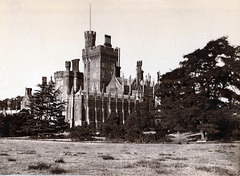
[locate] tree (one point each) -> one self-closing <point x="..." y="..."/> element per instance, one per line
<point x="202" y="93"/>
<point x="11" y="125"/>
<point x="46" y="110"/>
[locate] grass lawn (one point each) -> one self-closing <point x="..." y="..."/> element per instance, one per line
<point x="31" y="157"/>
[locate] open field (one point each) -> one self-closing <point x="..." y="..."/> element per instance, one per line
<point x="72" y="158"/>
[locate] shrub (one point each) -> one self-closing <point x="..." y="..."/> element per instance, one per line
<point x="81" y="133"/>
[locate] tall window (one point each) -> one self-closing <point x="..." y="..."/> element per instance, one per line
<point x="88" y="66"/>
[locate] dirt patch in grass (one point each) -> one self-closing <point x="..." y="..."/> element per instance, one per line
<point x="4" y="154"/>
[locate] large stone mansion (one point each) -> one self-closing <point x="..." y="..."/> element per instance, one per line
<point x="95" y="94"/>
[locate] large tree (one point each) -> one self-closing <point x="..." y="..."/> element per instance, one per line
<point x="46" y="111"/>
<point x="203" y="93"/>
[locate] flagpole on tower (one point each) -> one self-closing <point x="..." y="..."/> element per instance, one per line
<point x="90" y="16"/>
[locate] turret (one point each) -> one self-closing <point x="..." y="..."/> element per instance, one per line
<point x="139" y="71"/>
<point x="90" y="38"/>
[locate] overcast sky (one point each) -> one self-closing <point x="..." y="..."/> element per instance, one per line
<point x="38" y="36"/>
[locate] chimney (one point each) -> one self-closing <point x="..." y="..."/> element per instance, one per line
<point x="107" y="41"/>
<point x="68" y="65"/>
<point x="75" y="65"/>
<point x="28" y="92"/>
<point x="139" y="71"/>
<point x="44" y="80"/>
<point x="117" y="71"/>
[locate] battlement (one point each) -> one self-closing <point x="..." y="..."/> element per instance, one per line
<point x="87" y="33"/>
<point x="139" y="63"/>
<point x="99" y="48"/>
<point x="68" y="74"/>
<point x="58" y="74"/>
<point x="90" y="38"/>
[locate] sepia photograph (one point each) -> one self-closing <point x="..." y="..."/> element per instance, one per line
<point x="120" y="87"/>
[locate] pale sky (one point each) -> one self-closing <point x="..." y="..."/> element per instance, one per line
<point x="38" y="36"/>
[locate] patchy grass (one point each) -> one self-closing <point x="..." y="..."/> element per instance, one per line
<point x="40" y="166"/>
<point x="107" y="157"/>
<point x="81" y="153"/>
<point x="216" y="170"/>
<point x="60" y="161"/>
<point x="177" y="159"/>
<point x="129" y="166"/>
<point x="164" y="154"/>
<point x="203" y="168"/>
<point x="163" y="172"/>
<point x="117" y="158"/>
<point x="58" y="170"/>
<point x="12" y="159"/>
<point x="150" y="163"/>
<point x="28" y="152"/>
<point x="180" y="165"/>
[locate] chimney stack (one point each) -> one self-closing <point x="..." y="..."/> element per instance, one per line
<point x="44" y="80"/>
<point x="108" y="41"/>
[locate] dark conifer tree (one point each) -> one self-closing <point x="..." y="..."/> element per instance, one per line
<point x="46" y="111"/>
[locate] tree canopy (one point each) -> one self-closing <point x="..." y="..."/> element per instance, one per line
<point x="46" y="111"/>
<point x="203" y="93"/>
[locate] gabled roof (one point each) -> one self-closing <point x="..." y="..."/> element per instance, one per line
<point x="136" y="85"/>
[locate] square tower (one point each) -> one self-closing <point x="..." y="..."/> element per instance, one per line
<point x="100" y="62"/>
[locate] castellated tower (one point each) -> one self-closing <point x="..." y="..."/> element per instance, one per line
<point x="100" y="62"/>
<point x="69" y="79"/>
<point x="90" y="38"/>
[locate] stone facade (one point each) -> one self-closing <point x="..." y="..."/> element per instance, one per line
<point x="94" y="95"/>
